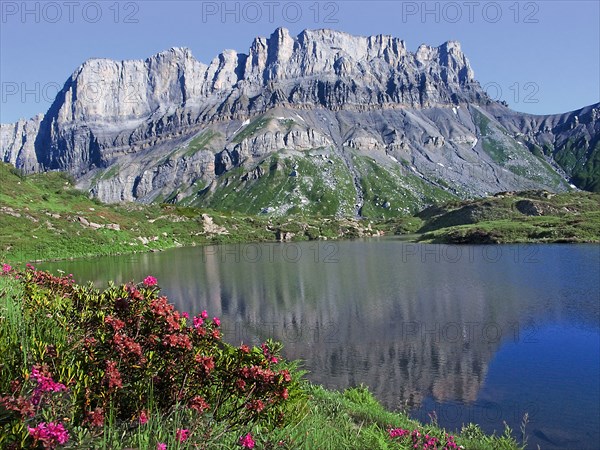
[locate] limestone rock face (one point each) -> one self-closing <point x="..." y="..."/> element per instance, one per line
<point x="168" y="126"/>
<point x="17" y="142"/>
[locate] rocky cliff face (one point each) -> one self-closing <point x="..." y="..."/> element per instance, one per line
<point x="173" y="129"/>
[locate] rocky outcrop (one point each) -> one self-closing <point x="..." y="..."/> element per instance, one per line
<point x="17" y="143"/>
<point x="572" y="140"/>
<point x="107" y="108"/>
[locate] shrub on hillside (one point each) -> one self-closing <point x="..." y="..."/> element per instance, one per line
<point x="88" y="356"/>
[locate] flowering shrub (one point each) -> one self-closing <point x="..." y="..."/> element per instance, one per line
<point x="182" y="434"/>
<point x="247" y="441"/>
<point x="49" y="434"/>
<point x="150" y="281"/>
<point x="127" y="347"/>
<point x="418" y="440"/>
<point x="38" y="396"/>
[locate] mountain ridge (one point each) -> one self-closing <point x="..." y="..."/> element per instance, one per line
<point x="297" y="99"/>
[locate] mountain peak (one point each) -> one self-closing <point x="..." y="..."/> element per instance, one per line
<point x="322" y="89"/>
<point x="178" y="52"/>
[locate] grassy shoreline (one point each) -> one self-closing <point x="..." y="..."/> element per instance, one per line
<point x="515" y="217"/>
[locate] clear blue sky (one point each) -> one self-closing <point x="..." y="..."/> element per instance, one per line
<point x="540" y="56"/>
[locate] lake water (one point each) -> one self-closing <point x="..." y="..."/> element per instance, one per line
<point x="479" y="334"/>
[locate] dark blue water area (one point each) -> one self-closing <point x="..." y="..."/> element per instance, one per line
<point x="552" y="374"/>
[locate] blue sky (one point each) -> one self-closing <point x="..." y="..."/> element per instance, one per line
<point x="541" y="57"/>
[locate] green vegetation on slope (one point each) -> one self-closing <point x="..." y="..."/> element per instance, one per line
<point x="287" y="182"/>
<point x="570" y="156"/>
<point x="490" y="145"/>
<point x="44" y="217"/>
<point x="251" y="129"/>
<point x="535" y="216"/>
<point x="514" y="155"/>
<point x="200" y="142"/>
<point x="389" y="193"/>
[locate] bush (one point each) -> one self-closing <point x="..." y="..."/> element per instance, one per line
<point x="121" y="355"/>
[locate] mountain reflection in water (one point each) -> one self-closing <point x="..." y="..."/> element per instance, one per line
<point x="419" y="324"/>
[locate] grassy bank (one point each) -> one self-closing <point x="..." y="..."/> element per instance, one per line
<point x="43" y="217"/>
<point x="121" y="368"/>
<point x="529" y="217"/>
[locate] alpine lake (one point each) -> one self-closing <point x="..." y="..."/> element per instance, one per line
<point x="457" y="334"/>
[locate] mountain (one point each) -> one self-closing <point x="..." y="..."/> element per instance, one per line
<point x="324" y="122"/>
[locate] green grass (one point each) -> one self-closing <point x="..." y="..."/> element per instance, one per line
<point x="39" y="220"/>
<point x="406" y="194"/>
<point x="567" y="217"/>
<point x="251" y="129"/>
<point x="39" y="214"/>
<point x="586" y="175"/>
<point x="523" y="159"/>
<point x="110" y="173"/>
<point x="481" y="122"/>
<point x="355" y="419"/>
<point x="287" y="123"/>
<point x="200" y="142"/>
<point x="12" y="329"/>
<point x="495" y="149"/>
<point x="291" y="184"/>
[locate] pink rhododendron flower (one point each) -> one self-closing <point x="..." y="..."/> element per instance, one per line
<point x="185" y="315"/>
<point x="46" y="383"/>
<point x="247" y="441"/>
<point x="143" y="418"/>
<point x="96" y="417"/>
<point x="182" y="434"/>
<point x="161" y="446"/>
<point x="217" y="321"/>
<point x="6" y="268"/>
<point x="204" y="314"/>
<point x="398" y="432"/>
<point x="198" y="322"/>
<point x="150" y="281"/>
<point x="113" y="375"/>
<point x="50" y="434"/>
<point x="199" y="404"/>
